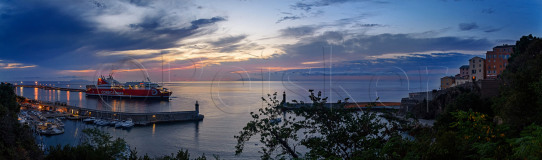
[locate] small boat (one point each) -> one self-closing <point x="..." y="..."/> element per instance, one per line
<point x="50" y="130"/>
<point x="98" y="121"/>
<point x="73" y="117"/>
<point x="89" y="120"/>
<point x="59" y="122"/>
<point x="128" y="124"/>
<point x="22" y="120"/>
<point x="113" y="122"/>
<point x="101" y="122"/>
<point x="119" y="124"/>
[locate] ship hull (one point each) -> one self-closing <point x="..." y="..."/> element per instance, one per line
<point x="128" y="93"/>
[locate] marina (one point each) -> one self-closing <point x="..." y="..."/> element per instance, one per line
<point x="58" y="109"/>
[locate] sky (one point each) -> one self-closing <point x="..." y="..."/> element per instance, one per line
<point x="253" y="40"/>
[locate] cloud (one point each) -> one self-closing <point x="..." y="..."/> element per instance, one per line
<point x="420" y="70"/>
<point x="489" y="30"/>
<point x="369" y="25"/>
<point x="307" y="8"/>
<point x="349" y="46"/>
<point x="15" y="66"/>
<point x="34" y="31"/>
<point x="467" y="26"/>
<point x="298" y="31"/>
<point x="79" y="71"/>
<point x="309" y="5"/>
<point x="288" y="18"/>
<point x="488" y="11"/>
<point x="228" y="40"/>
<point x="7" y="65"/>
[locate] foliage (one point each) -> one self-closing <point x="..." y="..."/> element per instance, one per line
<point x="17" y="141"/>
<point x="181" y="155"/>
<point x="464" y="102"/>
<point x="328" y="132"/>
<point x="529" y="145"/>
<point x="520" y="101"/>
<point x="273" y="135"/>
<point x="100" y="145"/>
<point x="97" y="145"/>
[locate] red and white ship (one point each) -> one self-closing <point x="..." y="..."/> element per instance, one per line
<point x="111" y="87"/>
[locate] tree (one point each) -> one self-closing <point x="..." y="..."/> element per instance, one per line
<point x="328" y="131"/>
<point x="529" y="145"/>
<point x="520" y="101"/>
<point x="97" y="145"/>
<point x="17" y="141"/>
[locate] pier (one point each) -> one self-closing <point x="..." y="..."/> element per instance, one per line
<point x="72" y="112"/>
<point x="51" y="88"/>
<point x="350" y="105"/>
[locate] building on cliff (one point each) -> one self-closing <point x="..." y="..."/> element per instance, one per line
<point x="447" y="82"/>
<point x="497" y="60"/>
<point x="477" y="68"/>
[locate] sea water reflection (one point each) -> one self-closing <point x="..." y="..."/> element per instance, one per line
<point x="226" y="106"/>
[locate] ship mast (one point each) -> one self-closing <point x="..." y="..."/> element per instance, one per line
<point x="162" y="69"/>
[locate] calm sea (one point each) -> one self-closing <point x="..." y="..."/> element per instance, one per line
<point x="225" y="104"/>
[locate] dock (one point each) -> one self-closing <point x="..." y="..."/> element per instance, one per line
<point x="73" y="112"/>
<point x="51" y="88"/>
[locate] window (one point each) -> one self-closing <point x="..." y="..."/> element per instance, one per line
<point x="480" y="60"/>
<point x="488" y="71"/>
<point x="480" y="70"/>
<point x="473" y="71"/>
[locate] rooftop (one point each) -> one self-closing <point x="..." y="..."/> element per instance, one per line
<point x="477" y="57"/>
<point x="505" y="46"/>
<point x="464" y="67"/>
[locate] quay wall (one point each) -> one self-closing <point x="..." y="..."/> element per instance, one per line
<point x="137" y="118"/>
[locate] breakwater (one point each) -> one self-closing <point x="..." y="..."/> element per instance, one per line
<point x="51" y="88"/>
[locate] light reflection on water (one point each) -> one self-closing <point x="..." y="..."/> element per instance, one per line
<point x="226" y="106"/>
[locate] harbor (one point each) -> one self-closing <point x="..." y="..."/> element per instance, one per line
<point x="224" y="109"/>
<point x="42" y="112"/>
